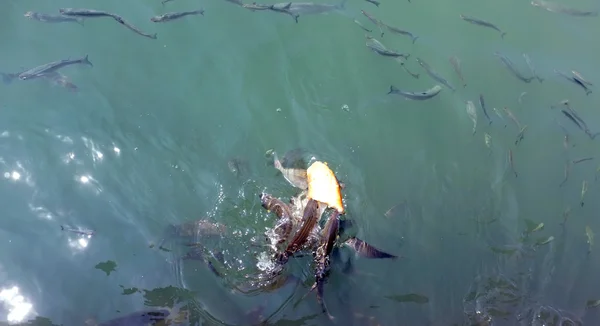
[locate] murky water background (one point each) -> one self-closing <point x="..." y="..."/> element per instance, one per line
<point x="146" y="141"/>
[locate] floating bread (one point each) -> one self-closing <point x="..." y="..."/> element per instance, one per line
<point x="323" y="186"/>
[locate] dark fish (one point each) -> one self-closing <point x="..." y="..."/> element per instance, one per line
<point x="362" y="26"/>
<point x="88" y="233"/>
<point x="285" y="224"/>
<point x="373" y="20"/>
<point x="568" y="115"/>
<point x="482" y="104"/>
<point x="455" y="62"/>
<point x="175" y="15"/>
<point x="433" y="74"/>
<point x="582" y="160"/>
<point x="366" y="250"/>
<point x="575" y="81"/>
<point x="84" y="12"/>
<point x="401" y="32"/>
<point x="47" y="18"/>
<point x="146" y="317"/>
<point x="321" y="259"/>
<point x="424" y="95"/>
<point x="309" y="220"/>
<point x="125" y="23"/>
<point x="380" y="49"/>
<point x="377" y="3"/>
<point x="51" y="67"/>
<point x="511" y="67"/>
<point x="483" y="23"/>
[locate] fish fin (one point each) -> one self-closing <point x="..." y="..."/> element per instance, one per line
<point x="288" y="6"/>
<point x="392" y="89"/>
<point x="80" y="21"/>
<point x="365" y="250"/>
<point x="87" y="61"/>
<point x="414" y="39"/>
<point x="502" y="35"/>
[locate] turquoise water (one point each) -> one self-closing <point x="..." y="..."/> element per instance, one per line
<point x="146" y="140"/>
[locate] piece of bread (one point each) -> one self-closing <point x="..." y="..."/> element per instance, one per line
<point x="323" y="186"/>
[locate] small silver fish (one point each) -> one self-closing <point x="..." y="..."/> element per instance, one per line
<point x="580" y="77"/>
<point x="455" y="62"/>
<point x="483" y="23"/>
<point x="511" y="67"/>
<point x="433" y="74"/>
<point x="419" y="96"/>
<point x="472" y="112"/>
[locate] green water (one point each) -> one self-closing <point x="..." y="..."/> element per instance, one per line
<point x="146" y="141"/>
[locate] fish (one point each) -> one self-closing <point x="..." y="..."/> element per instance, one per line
<point x="566" y="173"/>
<point x="592" y="304"/>
<point x="377" y="3"/>
<point x="433" y="74"/>
<point x="88" y="233"/>
<point x="532" y="67"/>
<point x="419" y="96"/>
<point x="455" y="62"/>
<point x="557" y="8"/>
<point x="574" y="81"/>
<point x="61" y="80"/>
<point x="483" y="23"/>
<point x="482" y="104"/>
<point x="472" y="112"/>
<point x="488" y="140"/>
<point x="568" y="115"/>
<point x="401" y="61"/>
<point x="296" y="177"/>
<point x="309" y="220"/>
<point x="196" y="228"/>
<point x="512" y="162"/>
<point x="136" y="30"/>
<point x="366" y="250"/>
<point x="512" y="117"/>
<point x="590" y="237"/>
<point x="308" y="8"/>
<point x="582" y="160"/>
<point x="401" y="32"/>
<point x="498" y="113"/>
<point x="51" y="67"/>
<point x="48" y="18"/>
<point x="380" y="49"/>
<point x="87" y="13"/>
<point x="362" y="26"/>
<point x="521" y="97"/>
<point x="511" y="67"/>
<point x="520" y="135"/>
<point x="283" y="227"/>
<point x="373" y="20"/>
<point x="321" y="259"/>
<point x="584" y="189"/>
<point x="543" y="241"/>
<point x="579" y="77"/>
<point x="175" y="15"/>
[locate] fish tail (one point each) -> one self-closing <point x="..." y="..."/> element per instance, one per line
<point x="62" y="227"/>
<point x="154" y="36"/>
<point x="80" y="21"/>
<point x="588" y="92"/>
<point x="392" y="89"/>
<point x="502" y="35"/>
<point x="87" y="61"/>
<point x="414" y="39"/>
<point x="540" y="79"/>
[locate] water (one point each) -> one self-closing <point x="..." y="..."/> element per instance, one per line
<point x="146" y="141"/>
